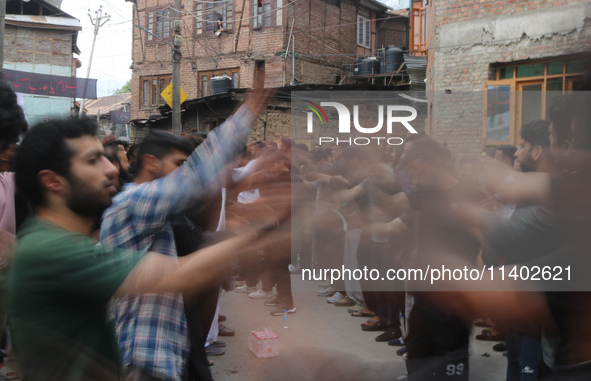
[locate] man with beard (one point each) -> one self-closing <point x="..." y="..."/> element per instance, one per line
<point x="530" y="152"/>
<point x="531" y="232"/>
<point x="62" y="280"/>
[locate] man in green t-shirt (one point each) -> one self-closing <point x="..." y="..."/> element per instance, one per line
<point x="62" y="280"/>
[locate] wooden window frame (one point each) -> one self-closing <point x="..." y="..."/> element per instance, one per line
<point x="212" y="73"/>
<point x="419" y="25"/>
<point x="152" y="24"/>
<point x="208" y="25"/>
<point x="160" y="86"/>
<point x="515" y="84"/>
<point x="210" y="123"/>
<point x="274" y="15"/>
<point x="362" y="22"/>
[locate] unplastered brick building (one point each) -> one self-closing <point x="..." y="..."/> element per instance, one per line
<point x="493" y="66"/>
<point x="327" y="36"/>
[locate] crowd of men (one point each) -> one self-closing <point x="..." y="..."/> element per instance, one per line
<point x="122" y="252"/>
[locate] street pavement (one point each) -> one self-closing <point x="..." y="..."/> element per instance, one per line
<point x="322" y="342"/>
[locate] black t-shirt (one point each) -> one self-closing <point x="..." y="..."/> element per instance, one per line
<point x="571" y="202"/>
<point x="529" y="234"/>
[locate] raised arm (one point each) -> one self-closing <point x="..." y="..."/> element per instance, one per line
<point x="151" y="204"/>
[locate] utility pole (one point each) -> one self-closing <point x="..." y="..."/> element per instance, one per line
<point x="98" y="21"/>
<point x="177" y="25"/>
<point x="2" y="19"/>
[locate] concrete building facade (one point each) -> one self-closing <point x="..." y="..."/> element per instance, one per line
<point x="495" y="65"/>
<point x="39" y="38"/>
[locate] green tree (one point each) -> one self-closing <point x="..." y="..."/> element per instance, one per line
<point x="125" y="88"/>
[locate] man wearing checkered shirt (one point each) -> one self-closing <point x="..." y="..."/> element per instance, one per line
<point x="151" y="329"/>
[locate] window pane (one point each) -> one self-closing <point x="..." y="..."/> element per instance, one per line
<point x="506" y="72"/>
<point x="209" y="23"/>
<point x="204" y="86"/>
<point x="266" y="15"/>
<point x="575" y="66"/>
<point x="160" y="90"/>
<point x="154" y="91"/>
<point x="229" y="16"/>
<point x="279" y="13"/>
<point x="498" y="113"/>
<point x="150" y="26"/>
<point x="553" y="91"/>
<point x="199" y="24"/>
<point x="235" y="83"/>
<point x="531" y="103"/>
<point x="534" y="70"/>
<point x="146" y="92"/>
<point x="554" y="84"/>
<point x="367" y="34"/>
<point x="359" y="30"/>
<point x="555" y="68"/>
<point x="575" y="85"/>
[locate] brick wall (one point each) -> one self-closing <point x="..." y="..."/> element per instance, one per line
<point x="468" y="36"/>
<point x="393" y="33"/>
<point x="37" y="46"/>
<point x="325" y="44"/>
<point x="236" y="49"/>
<point x="40" y="51"/>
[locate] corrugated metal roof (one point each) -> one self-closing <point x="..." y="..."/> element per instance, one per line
<point x="106" y="104"/>
<point x="44" y="22"/>
<point x="417" y="70"/>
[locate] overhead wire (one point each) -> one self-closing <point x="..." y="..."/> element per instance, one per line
<point x="206" y="42"/>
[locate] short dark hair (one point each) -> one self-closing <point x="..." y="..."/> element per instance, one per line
<point x="508" y="152"/>
<point x="117" y="143"/>
<point x="302" y="146"/>
<point x="45" y="147"/>
<point x="12" y="118"/>
<point x="318" y="154"/>
<point x="111" y="153"/>
<point x="132" y="150"/>
<point x="194" y="140"/>
<point x="536" y="133"/>
<point x="160" y="144"/>
<point x="428" y="151"/>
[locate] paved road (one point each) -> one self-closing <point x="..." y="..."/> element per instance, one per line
<point x="323" y="342"/>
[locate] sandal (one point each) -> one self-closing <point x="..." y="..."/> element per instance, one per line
<point x="370" y="321"/>
<point x="491" y="336"/>
<point x="375" y="326"/>
<point x="362" y="314"/>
